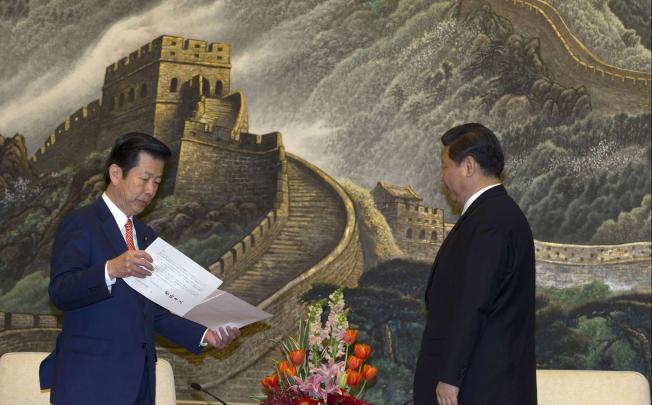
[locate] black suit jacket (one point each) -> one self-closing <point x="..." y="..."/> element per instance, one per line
<point x="479" y="334"/>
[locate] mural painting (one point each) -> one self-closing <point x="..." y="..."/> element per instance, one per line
<point x="305" y="138"/>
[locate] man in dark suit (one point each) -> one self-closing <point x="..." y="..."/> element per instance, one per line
<point x="105" y="353"/>
<point x="478" y="344"/>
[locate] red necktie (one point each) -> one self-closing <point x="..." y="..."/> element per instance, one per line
<point x="129" y="235"/>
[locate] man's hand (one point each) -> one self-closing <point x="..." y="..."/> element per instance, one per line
<point x="223" y="338"/>
<point x="132" y="263"/>
<point x="446" y="393"/>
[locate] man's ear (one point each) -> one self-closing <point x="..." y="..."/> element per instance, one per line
<point x="115" y="173"/>
<point x="470" y="166"/>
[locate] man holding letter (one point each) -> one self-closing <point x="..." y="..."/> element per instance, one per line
<point x="106" y="353"/>
<point x="478" y="343"/>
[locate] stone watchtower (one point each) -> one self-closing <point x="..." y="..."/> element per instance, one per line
<point x="152" y="90"/>
<point x="179" y="91"/>
<point x="418" y="230"/>
<point x="147" y="91"/>
<point x="157" y="89"/>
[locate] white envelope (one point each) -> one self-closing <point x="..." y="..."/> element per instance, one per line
<point x="224" y="309"/>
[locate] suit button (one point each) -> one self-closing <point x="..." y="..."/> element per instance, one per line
<point x="144" y="345"/>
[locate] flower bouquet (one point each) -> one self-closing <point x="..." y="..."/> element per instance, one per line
<point x="324" y="365"/>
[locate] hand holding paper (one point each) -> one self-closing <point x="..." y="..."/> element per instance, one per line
<point x="132" y="263"/>
<point x="188" y="290"/>
<point x="221" y="337"/>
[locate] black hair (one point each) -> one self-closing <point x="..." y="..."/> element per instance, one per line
<point x="477" y="141"/>
<point x="126" y="149"/>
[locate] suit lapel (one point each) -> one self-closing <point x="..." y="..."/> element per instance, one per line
<point x="143" y="238"/>
<point x="441" y="248"/>
<point x="492" y="192"/>
<point x="110" y="228"/>
<point x="115" y="238"/>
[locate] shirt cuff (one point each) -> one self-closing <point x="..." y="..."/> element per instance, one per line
<point x="203" y="343"/>
<point x="109" y="281"/>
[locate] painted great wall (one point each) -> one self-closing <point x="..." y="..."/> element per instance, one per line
<point x="569" y="61"/>
<point x="179" y="90"/>
<point x="622" y="267"/>
<point x="153" y="90"/>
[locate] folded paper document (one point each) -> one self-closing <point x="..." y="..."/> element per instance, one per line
<point x="187" y="289"/>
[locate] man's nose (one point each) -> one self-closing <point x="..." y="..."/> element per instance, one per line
<point x="151" y="187"/>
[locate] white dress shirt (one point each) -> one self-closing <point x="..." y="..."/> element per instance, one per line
<point x="121" y="220"/>
<point x="475" y="196"/>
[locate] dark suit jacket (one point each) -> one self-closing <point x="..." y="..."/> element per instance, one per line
<point x="479" y="334"/>
<point x="107" y="337"/>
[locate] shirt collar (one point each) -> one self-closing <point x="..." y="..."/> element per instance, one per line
<point x="475" y="196"/>
<point x="118" y="215"/>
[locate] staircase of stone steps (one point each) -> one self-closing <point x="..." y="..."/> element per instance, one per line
<point x="217" y="111"/>
<point x="319" y="243"/>
<point x="315" y="224"/>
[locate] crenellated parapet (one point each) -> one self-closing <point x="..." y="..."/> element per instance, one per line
<point x="580" y="54"/>
<point x="592" y="254"/>
<point x="417" y="229"/>
<point x="414" y="221"/>
<point x="80" y="119"/>
<point x="416" y="209"/>
<point x="621" y="267"/>
<point x="169" y="48"/>
<point x="76" y="135"/>
<point x="246" y="252"/>
<point x="28" y="332"/>
<point x="246" y="168"/>
<point x="576" y="48"/>
<point x="342" y="264"/>
<point x="18" y="321"/>
<point x="222" y="137"/>
<point x="568" y="59"/>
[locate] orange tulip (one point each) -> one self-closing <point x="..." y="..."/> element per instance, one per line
<point x="353" y="378"/>
<point x="269" y="382"/>
<point x="282" y="366"/>
<point x="297" y="356"/>
<point x="285" y="368"/>
<point x="353" y="363"/>
<point x="350" y="336"/>
<point x="362" y="351"/>
<point x="369" y="372"/>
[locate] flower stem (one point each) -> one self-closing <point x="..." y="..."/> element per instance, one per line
<point x="360" y="393"/>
